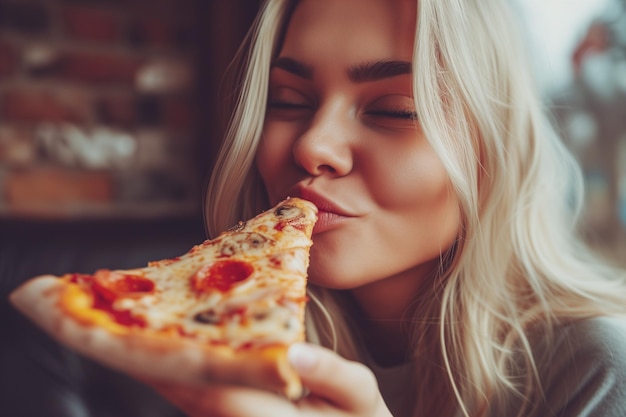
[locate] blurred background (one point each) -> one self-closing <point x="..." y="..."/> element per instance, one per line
<point x="109" y="123"/>
<point x="108" y="128"/>
<point x="579" y="54"/>
<point x="109" y="108"/>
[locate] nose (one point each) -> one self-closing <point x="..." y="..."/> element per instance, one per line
<point x="325" y="145"/>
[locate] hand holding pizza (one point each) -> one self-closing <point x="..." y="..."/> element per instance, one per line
<point x="337" y="388"/>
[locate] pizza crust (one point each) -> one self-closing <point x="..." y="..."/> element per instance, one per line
<point x="154" y="356"/>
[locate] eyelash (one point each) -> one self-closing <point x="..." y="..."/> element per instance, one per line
<point x="389" y="113"/>
<point x="395" y="114"/>
<point x="286" y="105"/>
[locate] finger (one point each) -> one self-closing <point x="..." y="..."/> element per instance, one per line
<point x="348" y="385"/>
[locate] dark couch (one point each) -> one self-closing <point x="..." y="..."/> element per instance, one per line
<point x="38" y="377"/>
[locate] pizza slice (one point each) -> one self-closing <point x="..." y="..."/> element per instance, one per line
<point x="224" y="312"/>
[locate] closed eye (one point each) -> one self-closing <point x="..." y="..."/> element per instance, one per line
<point x="394" y="114"/>
<point x="287" y="105"/>
<point x="287" y="102"/>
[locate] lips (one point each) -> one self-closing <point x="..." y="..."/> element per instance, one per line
<point x="330" y="215"/>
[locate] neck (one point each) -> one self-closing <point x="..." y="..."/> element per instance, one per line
<point x="385" y="307"/>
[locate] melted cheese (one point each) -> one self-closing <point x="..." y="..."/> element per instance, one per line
<point x="263" y="309"/>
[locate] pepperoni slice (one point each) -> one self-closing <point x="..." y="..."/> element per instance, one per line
<point x="111" y="285"/>
<point x="79" y="278"/>
<point x="108" y="286"/>
<point x="123" y="317"/>
<point x="221" y="275"/>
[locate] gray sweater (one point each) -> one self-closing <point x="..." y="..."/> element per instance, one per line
<point x="582" y="373"/>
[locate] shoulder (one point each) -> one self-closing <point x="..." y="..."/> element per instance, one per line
<point x="597" y="342"/>
<point x="582" y="369"/>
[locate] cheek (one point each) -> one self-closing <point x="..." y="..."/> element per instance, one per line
<point x="422" y="210"/>
<point x="264" y="159"/>
<point x="408" y="179"/>
<point x="272" y="157"/>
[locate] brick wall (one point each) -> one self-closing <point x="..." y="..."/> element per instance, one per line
<point x="99" y="111"/>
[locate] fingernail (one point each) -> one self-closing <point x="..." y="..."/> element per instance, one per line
<point x="302" y="357"/>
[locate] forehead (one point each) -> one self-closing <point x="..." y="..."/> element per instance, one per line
<point x="361" y="29"/>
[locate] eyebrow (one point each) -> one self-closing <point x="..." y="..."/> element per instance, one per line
<point x="378" y="70"/>
<point x="294" y="67"/>
<point x="367" y="71"/>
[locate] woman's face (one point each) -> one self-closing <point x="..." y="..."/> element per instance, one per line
<point x="341" y="131"/>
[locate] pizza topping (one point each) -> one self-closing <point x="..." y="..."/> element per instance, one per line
<point x="290" y="216"/>
<point x="288" y="212"/>
<point x="221" y="275"/>
<point x="123" y="317"/>
<point x="207" y="317"/>
<point x="238" y="227"/>
<point x="243" y="243"/>
<point x="107" y="287"/>
<point x="79" y="278"/>
<point x="113" y="285"/>
<point x="262" y="315"/>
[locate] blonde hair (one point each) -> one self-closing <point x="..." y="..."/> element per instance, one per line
<point x="517" y="265"/>
<point x="234" y="191"/>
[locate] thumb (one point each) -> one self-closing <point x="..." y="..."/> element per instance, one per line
<point x="348" y="385"/>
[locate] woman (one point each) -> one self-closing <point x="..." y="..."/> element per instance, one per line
<point x="445" y="257"/>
